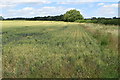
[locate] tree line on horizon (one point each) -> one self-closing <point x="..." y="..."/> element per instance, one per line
<point x="71" y="16"/>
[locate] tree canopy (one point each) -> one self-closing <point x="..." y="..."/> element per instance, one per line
<point x="72" y="15"/>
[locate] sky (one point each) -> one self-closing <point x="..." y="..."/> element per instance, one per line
<point x="33" y="8"/>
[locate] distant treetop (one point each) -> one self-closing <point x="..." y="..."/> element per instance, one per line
<point x="72" y="15"/>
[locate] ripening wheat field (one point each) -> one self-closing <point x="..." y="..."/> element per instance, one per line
<point x="48" y="49"/>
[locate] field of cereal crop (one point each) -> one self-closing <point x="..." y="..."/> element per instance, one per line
<point x="49" y="49"/>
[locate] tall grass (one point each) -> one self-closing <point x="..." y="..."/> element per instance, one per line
<point x="107" y="38"/>
<point x="38" y="49"/>
<point x="0" y="50"/>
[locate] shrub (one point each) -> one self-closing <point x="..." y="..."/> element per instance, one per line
<point x="101" y="21"/>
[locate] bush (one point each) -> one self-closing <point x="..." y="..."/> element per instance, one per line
<point x="80" y="21"/>
<point x="101" y="21"/>
<point x="86" y="21"/>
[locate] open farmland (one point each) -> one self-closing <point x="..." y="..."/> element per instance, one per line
<point x="47" y="49"/>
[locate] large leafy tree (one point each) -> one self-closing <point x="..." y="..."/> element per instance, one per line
<point x="72" y="16"/>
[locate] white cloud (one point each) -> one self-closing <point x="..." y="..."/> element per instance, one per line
<point x="6" y="6"/>
<point x="49" y="1"/>
<point x="83" y="1"/>
<point x="24" y="1"/>
<point x="32" y="12"/>
<point x="71" y="2"/>
<point x="108" y="10"/>
<point x="11" y="3"/>
<point x="99" y="4"/>
<point x="27" y="9"/>
<point x="111" y="5"/>
<point x="104" y="10"/>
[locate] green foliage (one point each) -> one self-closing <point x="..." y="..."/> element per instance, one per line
<point x="72" y="16"/>
<point x="101" y="21"/>
<point x="112" y="22"/>
<point x="81" y="21"/>
<point x="86" y="21"/>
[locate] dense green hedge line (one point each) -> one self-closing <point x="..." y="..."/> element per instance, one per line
<point x="102" y="21"/>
